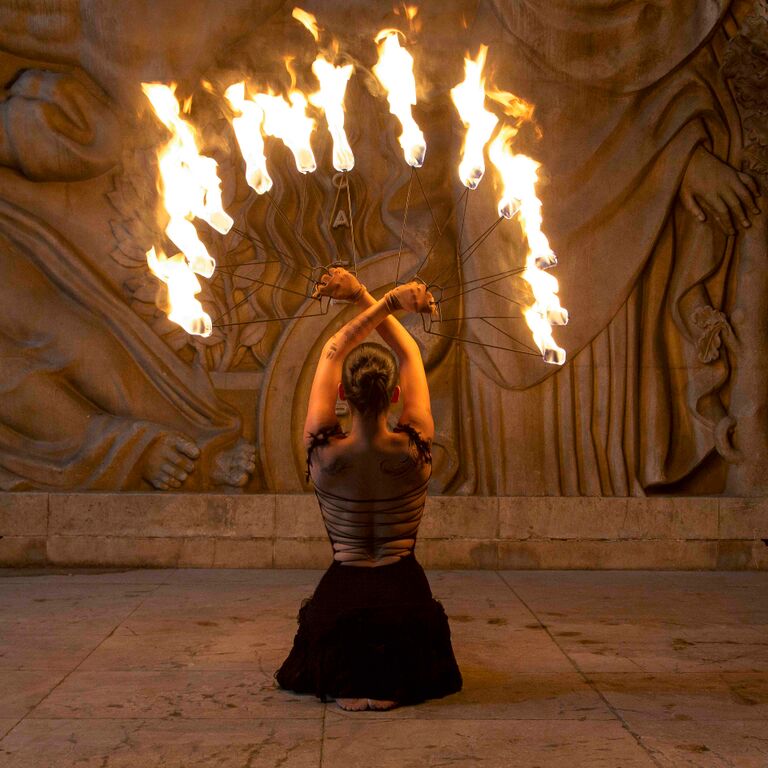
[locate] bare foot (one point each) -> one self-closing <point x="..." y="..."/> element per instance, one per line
<point x="381" y="704"/>
<point x="235" y="465"/>
<point x="353" y="705"/>
<point x="169" y="461"/>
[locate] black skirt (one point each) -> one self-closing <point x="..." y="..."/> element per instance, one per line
<point x="372" y="633"/>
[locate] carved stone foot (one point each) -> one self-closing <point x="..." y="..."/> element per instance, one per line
<point x="235" y="465"/>
<point x="169" y="461"/>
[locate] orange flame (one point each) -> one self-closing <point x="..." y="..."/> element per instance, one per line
<point x="247" y="126"/>
<point x="183" y="285"/>
<point x="287" y="119"/>
<point x="512" y="106"/>
<point x="308" y="20"/>
<point x="191" y="186"/>
<point x="519" y="176"/>
<point x="330" y="98"/>
<point x="469" y="98"/>
<point x="394" y="71"/>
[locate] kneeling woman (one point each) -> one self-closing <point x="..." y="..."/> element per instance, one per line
<point x="371" y="636"/>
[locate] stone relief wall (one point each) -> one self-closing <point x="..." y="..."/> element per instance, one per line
<point x="644" y="113"/>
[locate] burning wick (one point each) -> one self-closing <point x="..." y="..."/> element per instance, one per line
<point x="469" y="98"/>
<point x="394" y="71"/>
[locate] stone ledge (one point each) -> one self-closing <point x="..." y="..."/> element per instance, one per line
<point x="286" y="531"/>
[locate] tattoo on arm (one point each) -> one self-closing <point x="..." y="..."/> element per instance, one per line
<point x="332" y="350"/>
<point x="355" y="330"/>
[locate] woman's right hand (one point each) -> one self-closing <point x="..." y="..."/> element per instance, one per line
<point x="412" y="297"/>
<point x="339" y="284"/>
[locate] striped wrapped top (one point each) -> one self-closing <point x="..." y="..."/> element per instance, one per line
<point x="373" y="531"/>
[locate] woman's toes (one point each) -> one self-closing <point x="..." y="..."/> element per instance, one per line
<point x="353" y="705"/>
<point x="381" y="704"/>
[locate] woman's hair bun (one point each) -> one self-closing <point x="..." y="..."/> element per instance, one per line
<point x="369" y="377"/>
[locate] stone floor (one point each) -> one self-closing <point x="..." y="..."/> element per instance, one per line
<point x="173" y="668"/>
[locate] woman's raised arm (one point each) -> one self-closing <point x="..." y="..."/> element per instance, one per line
<point x="414" y="297"/>
<point x="417" y="409"/>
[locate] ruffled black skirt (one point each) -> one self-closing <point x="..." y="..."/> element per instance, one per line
<point x="372" y="633"/>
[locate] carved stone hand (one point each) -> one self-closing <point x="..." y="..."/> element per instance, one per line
<point x="712" y="185"/>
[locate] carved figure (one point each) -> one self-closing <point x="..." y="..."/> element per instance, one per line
<point x="647" y="201"/>
<point x="90" y="399"/>
<point x="648" y="118"/>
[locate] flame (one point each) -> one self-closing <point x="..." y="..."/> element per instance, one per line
<point x="291" y="70"/>
<point x="247" y="127"/>
<point x="410" y="12"/>
<point x="191" y="186"/>
<point x="287" y="120"/>
<point x="519" y="175"/>
<point x="330" y="98"/>
<point x="469" y="98"/>
<point x="183" y="286"/>
<point x="308" y="20"/>
<point x="512" y="106"/>
<point x="394" y="71"/>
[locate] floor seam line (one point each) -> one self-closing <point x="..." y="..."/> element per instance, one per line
<point x="322" y="735"/>
<point x="637" y="738"/>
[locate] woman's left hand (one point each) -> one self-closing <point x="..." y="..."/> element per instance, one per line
<point x="339" y="284"/>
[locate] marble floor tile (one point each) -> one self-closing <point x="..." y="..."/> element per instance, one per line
<point x="214" y="642"/>
<point x="694" y="744"/>
<point x="184" y="693"/>
<point x="354" y="741"/>
<point x="39" y="607"/>
<point x="634" y="597"/>
<point x="55" y="625"/>
<point x="511" y="652"/>
<point x="599" y="647"/>
<point x="255" y="576"/>
<point x="251" y="743"/>
<point x="11" y="576"/>
<point x="22" y="690"/>
<point x="240" y="599"/>
<point x="493" y="695"/>
<point x="697" y="697"/>
<point x="6" y="724"/>
<point x="137" y="669"/>
<point x="53" y="647"/>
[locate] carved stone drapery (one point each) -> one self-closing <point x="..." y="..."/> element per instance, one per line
<point x="665" y="387"/>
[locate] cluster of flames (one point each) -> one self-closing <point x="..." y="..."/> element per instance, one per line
<point x="191" y="187"/>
